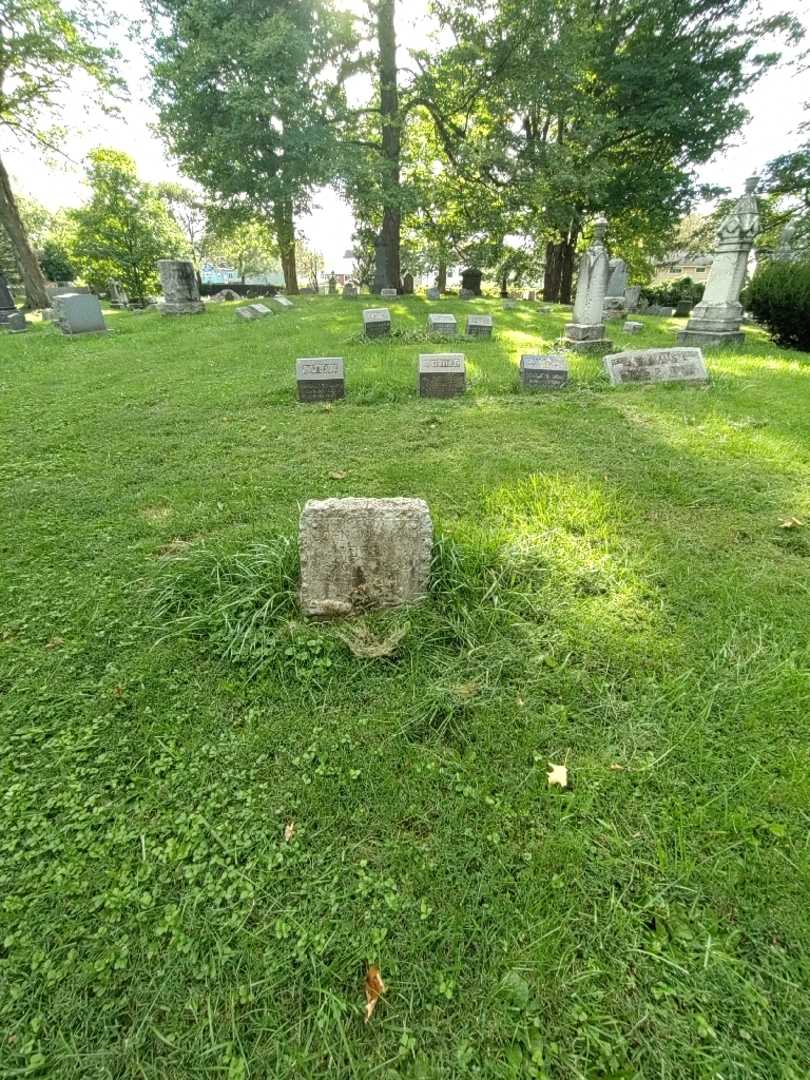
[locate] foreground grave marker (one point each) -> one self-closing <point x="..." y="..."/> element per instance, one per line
<point x="479" y="326"/>
<point x="362" y="554"/>
<point x="445" y="325"/>
<point x="548" y="372"/>
<point x="78" y="313"/>
<point x="181" y="292"/>
<point x="320" y="378"/>
<point x="656" y="365"/>
<point x="442" y="375"/>
<point x="377" y="322"/>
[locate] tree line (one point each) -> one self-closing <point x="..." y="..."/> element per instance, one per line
<point x="495" y="145"/>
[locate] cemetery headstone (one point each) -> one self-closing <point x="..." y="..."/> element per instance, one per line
<point x="359" y="555"/>
<point x="282" y="301"/>
<point x="433" y="293"/>
<point x="616" y="287"/>
<point x="543" y="372"/>
<point x="471" y="279"/>
<point x="445" y="325"/>
<point x="531" y="295"/>
<point x="349" y="291"/>
<point x="78" y="313"/>
<point x="247" y="313"/>
<point x="632" y="327"/>
<point x="466" y="294"/>
<point x="181" y="293"/>
<point x="656" y="365"/>
<point x="442" y="375"/>
<point x="683" y="309"/>
<point x="388" y="294"/>
<point x="546" y="310"/>
<point x="16" y="323"/>
<point x="784" y="249"/>
<point x="586" y="331"/>
<point x="65" y="290"/>
<point x="320" y="378"/>
<point x="226" y="295"/>
<point x="717" y="318"/>
<point x="632" y="295"/>
<point x="377" y="322"/>
<point x="479" y="326"/>
<point x="660" y="309"/>
<point x="407" y="284"/>
<point x="509" y="305"/>
<point x="7" y="305"/>
<point x="332" y="285"/>
<point x="117" y="294"/>
<point x="262" y="310"/>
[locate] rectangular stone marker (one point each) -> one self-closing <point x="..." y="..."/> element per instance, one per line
<point x="442" y="375"/>
<point x="16" y="323"/>
<point x="350" y="292"/>
<point x="282" y="301"/>
<point x="543" y="372"/>
<point x="656" y="365"/>
<point x="388" y="294"/>
<point x="433" y="294"/>
<point x="479" y="326"/>
<point x="632" y="327"/>
<point x="508" y="305"/>
<point x="362" y="554"/>
<point x="445" y="325"/>
<point x="78" y="313"/>
<point x="377" y="322"/>
<point x="320" y="378"/>
<point x="262" y="310"/>
<point x="247" y="313"/>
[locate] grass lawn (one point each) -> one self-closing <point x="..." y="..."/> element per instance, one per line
<point x="612" y="591"/>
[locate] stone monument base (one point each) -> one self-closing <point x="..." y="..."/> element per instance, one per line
<point x="704" y="338"/>
<point x="187" y="307"/>
<point x="587" y="339"/>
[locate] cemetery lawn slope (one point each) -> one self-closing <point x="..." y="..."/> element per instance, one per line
<point x="215" y="816"/>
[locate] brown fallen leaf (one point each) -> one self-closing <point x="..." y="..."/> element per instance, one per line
<point x="337" y="475"/>
<point x="558" y="775"/>
<point x="289" y="831"/>
<point x="616" y="767"/>
<point x="790" y="523"/>
<point x="374" y="987"/>
<point x="55" y="642"/>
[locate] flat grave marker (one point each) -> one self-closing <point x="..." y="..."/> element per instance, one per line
<point x="442" y="375"/>
<point x="543" y="372"/>
<point x="656" y="366"/>
<point x="445" y="325"/>
<point x="479" y="326"/>
<point x="388" y="294"/>
<point x="377" y="322"/>
<point x="320" y="378"/>
<point x="79" y="313"/>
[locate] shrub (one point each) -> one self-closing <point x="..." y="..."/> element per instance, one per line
<point x="779" y="298"/>
<point x="673" y="292"/>
<point x="55" y="263"/>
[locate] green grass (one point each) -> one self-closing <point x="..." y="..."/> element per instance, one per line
<point x="611" y="587"/>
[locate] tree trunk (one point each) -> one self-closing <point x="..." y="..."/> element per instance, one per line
<point x="441" y="276"/>
<point x="391" y="139"/>
<point x="285" y="235"/>
<point x="567" y="270"/>
<point x="33" y="280"/>
<point x="559" y="270"/>
<point x="504" y="283"/>
<point x="552" y="273"/>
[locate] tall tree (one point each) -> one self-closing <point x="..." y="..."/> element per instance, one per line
<point x="244" y="243"/>
<point x="189" y="212"/>
<point x="42" y="44"/>
<point x="248" y="101"/>
<point x="573" y="107"/>
<point x="124" y="228"/>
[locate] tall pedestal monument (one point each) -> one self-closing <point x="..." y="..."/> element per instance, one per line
<point x="586" y="333"/>
<point x="717" y="318"/>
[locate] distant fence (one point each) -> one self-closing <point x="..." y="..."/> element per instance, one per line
<point x="248" y="291"/>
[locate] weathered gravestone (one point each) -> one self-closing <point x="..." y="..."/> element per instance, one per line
<point x="16" y="323"/>
<point x="320" y="378"/>
<point x="224" y="295"/>
<point x="78" y="313"/>
<point x="632" y="327"/>
<point x="509" y="305"/>
<point x="433" y="293"/>
<point x="471" y="280"/>
<point x="349" y="291"/>
<point x="247" y="313"/>
<point x="479" y="326"/>
<point x="332" y="285"/>
<point x="181" y="293"/>
<point x="262" y="310"/>
<point x="444" y="325"/>
<point x="632" y="295"/>
<point x="442" y="375"/>
<point x="116" y="294"/>
<point x="282" y="301"/>
<point x="660" y="309"/>
<point x="407" y="284"/>
<point x="683" y="309"/>
<point x="656" y="365"/>
<point x="543" y="372"/>
<point x="531" y="295"/>
<point x="616" y="287"/>
<point x="388" y="294"/>
<point x="717" y="318"/>
<point x="363" y="554"/>
<point x="545" y="310"/>
<point x="586" y="331"/>
<point x="65" y="290"/>
<point x="377" y="322"/>
<point x="466" y="294"/>
<point x="7" y="305"/>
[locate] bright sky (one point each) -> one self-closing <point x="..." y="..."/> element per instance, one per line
<point x="775" y="106"/>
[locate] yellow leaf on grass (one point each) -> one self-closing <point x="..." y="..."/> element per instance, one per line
<point x="374" y="987"/>
<point x="558" y="775"/>
<point x="289" y="831"/>
<point x="790" y="523"/>
<point x="616" y="767"/>
<point x="337" y="475"/>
